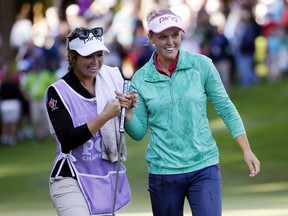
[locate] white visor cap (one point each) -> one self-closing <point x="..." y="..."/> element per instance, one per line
<point x="164" y="22"/>
<point x="88" y="45"/>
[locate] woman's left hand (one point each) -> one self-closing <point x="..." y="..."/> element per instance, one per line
<point x="252" y="162"/>
<point x="249" y="157"/>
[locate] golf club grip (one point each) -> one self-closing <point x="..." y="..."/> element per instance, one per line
<point x="126" y="86"/>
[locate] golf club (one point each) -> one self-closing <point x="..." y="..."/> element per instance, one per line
<point x="127" y="74"/>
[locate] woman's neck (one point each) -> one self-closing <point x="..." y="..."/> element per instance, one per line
<point x="164" y="64"/>
<point x="89" y="85"/>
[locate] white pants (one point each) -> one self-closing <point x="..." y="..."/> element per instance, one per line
<point x="39" y="118"/>
<point x="67" y="198"/>
<point x="10" y="111"/>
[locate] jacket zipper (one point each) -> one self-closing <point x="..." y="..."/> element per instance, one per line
<point x="171" y="92"/>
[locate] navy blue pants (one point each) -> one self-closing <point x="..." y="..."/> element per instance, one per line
<point x="202" y="188"/>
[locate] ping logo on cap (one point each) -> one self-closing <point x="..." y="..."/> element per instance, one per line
<point x="88" y="45"/>
<point x="86" y="40"/>
<point x="166" y="18"/>
<point x="164" y="22"/>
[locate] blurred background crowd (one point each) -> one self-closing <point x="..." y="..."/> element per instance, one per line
<point x="247" y="40"/>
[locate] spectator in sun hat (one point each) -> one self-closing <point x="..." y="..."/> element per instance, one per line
<point x="174" y="87"/>
<point x="84" y="119"/>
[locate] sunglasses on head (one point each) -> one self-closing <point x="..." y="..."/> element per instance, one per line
<point x="84" y="33"/>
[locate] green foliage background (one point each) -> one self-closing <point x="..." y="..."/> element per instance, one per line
<point x="24" y="168"/>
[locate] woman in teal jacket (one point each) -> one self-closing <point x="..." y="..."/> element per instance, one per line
<point x="182" y="156"/>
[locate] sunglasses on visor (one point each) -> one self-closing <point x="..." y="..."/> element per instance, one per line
<point x="84" y="33"/>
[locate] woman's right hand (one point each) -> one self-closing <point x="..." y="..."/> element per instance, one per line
<point x="112" y="108"/>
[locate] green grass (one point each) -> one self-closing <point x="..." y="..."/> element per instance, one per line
<point x="24" y="168"/>
<point x="24" y="171"/>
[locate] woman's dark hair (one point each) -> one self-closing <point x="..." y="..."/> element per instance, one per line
<point x="72" y="54"/>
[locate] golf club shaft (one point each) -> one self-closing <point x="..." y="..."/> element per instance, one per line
<point x="126" y="86"/>
<point x="117" y="173"/>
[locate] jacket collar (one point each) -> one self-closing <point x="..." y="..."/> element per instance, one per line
<point x="153" y="75"/>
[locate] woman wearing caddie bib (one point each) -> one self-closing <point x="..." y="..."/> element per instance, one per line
<point x="182" y="156"/>
<point x="83" y="115"/>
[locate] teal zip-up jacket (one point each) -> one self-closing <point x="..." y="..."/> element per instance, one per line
<point x="174" y="109"/>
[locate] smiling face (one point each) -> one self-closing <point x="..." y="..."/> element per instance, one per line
<point x="167" y="43"/>
<point x="89" y="66"/>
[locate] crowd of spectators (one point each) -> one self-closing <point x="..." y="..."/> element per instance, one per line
<point x="245" y="47"/>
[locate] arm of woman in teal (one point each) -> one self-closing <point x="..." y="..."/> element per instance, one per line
<point x="228" y="112"/>
<point x="136" y="125"/>
<point x="134" y="128"/>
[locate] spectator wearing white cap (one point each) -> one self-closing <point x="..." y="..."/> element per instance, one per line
<point x="174" y="87"/>
<point x="84" y="118"/>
